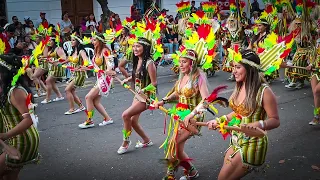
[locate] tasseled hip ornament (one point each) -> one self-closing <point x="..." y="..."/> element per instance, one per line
<point x="126" y="135"/>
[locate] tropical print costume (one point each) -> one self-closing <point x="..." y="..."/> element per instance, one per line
<point x="55" y="71"/>
<point x="252" y="149"/>
<point x="27" y="142"/>
<point x="79" y="77"/>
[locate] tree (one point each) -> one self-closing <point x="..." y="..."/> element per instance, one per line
<point x="106" y="14"/>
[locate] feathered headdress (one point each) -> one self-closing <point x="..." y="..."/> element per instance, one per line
<point x="151" y="31"/>
<point x="210" y="8"/>
<point x="108" y="36"/>
<point x="128" y="23"/>
<point x="184" y="8"/>
<point x="41" y="31"/>
<point x="203" y="42"/>
<point x="272" y="53"/>
<point x="75" y="36"/>
<point x="269" y="17"/>
<point x="303" y="9"/>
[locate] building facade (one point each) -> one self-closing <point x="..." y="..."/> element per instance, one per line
<point x="77" y="9"/>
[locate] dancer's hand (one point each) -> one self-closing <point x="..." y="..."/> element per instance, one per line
<point x="111" y="73"/>
<point x="309" y="68"/>
<point x="157" y="104"/>
<point x="187" y="120"/>
<point x="3" y="136"/>
<point x="212" y="125"/>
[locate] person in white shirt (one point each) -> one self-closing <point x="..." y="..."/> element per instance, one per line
<point x="92" y="21"/>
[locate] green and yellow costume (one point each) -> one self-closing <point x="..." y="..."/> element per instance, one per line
<point x="27" y="143"/>
<point x="56" y="71"/>
<point x="252" y="149"/>
<point x="78" y="77"/>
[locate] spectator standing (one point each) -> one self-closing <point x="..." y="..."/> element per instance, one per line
<point x="117" y="20"/>
<point x="42" y="20"/>
<point x="193" y="7"/>
<point x="19" y="33"/>
<point x="30" y="29"/>
<point x="83" y="23"/>
<point x="26" y="20"/>
<point x="254" y="17"/>
<point x="15" y="20"/>
<point x="255" y="6"/>
<point x="66" y="27"/>
<point x="92" y="22"/>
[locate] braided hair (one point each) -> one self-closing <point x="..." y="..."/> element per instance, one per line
<point x="7" y="75"/>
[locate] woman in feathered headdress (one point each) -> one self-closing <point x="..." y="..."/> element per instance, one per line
<point x="78" y="59"/>
<point x="103" y="65"/>
<point x="146" y="48"/>
<point x="191" y="89"/>
<point x="266" y="24"/>
<point x="253" y="103"/>
<point x="124" y="56"/>
<point x="234" y="33"/>
<point x="301" y="28"/>
<point x="55" y="57"/>
<point x="16" y="114"/>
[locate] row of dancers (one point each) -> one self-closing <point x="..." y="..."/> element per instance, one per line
<point x="253" y="102"/>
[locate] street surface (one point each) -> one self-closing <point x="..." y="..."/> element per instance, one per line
<point x="71" y="153"/>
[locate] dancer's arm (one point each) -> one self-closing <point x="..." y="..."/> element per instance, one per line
<point x="17" y="97"/>
<point x="152" y="73"/>
<point x="269" y="104"/>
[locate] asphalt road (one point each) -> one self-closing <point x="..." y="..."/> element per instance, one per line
<point x="71" y="153"/>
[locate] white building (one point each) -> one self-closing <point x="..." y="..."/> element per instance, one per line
<point x="76" y="8"/>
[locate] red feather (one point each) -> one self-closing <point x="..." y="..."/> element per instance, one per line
<point x="260" y="50"/>
<point x="242" y="4"/>
<point x="215" y="93"/>
<point x="181" y="48"/>
<point x="204" y="30"/>
<point x="28" y="100"/>
<point x="269" y="8"/>
<point x="200" y="14"/>
<point x="211" y="52"/>
<point x="285" y="53"/>
<point x="129" y="19"/>
<point x="182" y="106"/>
<point x="236" y="48"/>
<point x="106" y="53"/>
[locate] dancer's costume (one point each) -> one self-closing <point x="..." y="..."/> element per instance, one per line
<point x="142" y="82"/>
<point x="184" y="8"/>
<point x="305" y="48"/>
<point x="234" y="32"/>
<point x="211" y="10"/>
<point x="128" y="23"/>
<point x="252" y="149"/>
<point x="269" y="17"/>
<point x="27" y="142"/>
<point x="78" y="77"/>
<point x="56" y="71"/>
<point x="202" y="42"/>
<point x="285" y="15"/>
<point x="100" y="64"/>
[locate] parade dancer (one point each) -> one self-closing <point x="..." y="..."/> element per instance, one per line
<point x="252" y="102"/>
<point x="315" y="79"/>
<point x="235" y="33"/>
<point x="184" y="9"/>
<point x="78" y="59"/>
<point x="146" y="48"/>
<point x="17" y="115"/>
<point x="125" y="56"/>
<point x="189" y="91"/>
<point x="103" y="64"/>
<point x="305" y="47"/>
<point x="41" y="34"/>
<point x="211" y="10"/>
<point x="265" y="25"/>
<point x="56" y="57"/>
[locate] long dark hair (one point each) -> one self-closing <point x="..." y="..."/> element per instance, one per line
<point x="252" y="82"/>
<point x="146" y="55"/>
<point x="7" y="75"/>
<point x="79" y="47"/>
<point x="256" y="37"/>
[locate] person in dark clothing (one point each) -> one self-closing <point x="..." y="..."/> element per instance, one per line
<point x="255" y="7"/>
